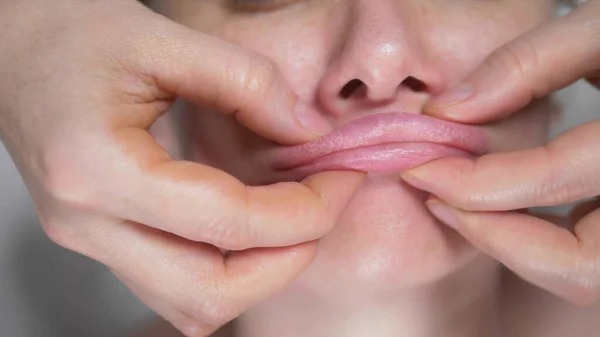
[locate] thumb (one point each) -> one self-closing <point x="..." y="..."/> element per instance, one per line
<point x="228" y="78"/>
<point x="543" y="60"/>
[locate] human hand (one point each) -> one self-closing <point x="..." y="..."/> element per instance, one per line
<point x="82" y="82"/>
<point x="482" y="198"/>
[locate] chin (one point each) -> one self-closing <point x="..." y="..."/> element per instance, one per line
<point x="384" y="242"/>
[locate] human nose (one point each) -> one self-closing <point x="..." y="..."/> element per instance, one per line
<point x="380" y="60"/>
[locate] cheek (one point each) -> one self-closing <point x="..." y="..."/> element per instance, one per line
<point x="459" y="40"/>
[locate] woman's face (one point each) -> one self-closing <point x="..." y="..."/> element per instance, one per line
<point x="353" y="59"/>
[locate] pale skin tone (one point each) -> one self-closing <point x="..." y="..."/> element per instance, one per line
<point x="345" y="44"/>
<point x="76" y="105"/>
<point x="562" y="261"/>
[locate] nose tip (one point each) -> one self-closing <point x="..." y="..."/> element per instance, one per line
<point x="366" y="75"/>
<point x="380" y="63"/>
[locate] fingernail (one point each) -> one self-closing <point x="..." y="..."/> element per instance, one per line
<point x="453" y="96"/>
<point x="443" y="213"/>
<point x="415" y="180"/>
<point x="312" y="120"/>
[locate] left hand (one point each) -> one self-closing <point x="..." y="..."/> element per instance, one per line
<point x="481" y="198"/>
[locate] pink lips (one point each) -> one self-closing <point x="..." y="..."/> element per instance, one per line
<point x="380" y="143"/>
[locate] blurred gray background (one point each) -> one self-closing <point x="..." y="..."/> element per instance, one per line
<point x="47" y="291"/>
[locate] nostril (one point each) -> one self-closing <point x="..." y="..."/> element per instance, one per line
<point x="350" y="88"/>
<point x="414" y="84"/>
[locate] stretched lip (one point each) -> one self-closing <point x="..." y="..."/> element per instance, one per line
<point x="383" y="138"/>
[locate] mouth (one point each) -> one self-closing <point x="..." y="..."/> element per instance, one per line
<point x="384" y="142"/>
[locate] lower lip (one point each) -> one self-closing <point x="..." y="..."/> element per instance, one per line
<point x="381" y="158"/>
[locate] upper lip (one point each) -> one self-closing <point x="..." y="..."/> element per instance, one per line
<point x="381" y="129"/>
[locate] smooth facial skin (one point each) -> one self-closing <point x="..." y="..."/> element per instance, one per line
<point x="352" y="59"/>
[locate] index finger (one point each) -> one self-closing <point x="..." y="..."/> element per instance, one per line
<point x="228" y="78"/>
<point x="561" y="172"/>
<point x="534" y="65"/>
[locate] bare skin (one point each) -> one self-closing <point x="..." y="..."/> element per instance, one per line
<point x="561" y="259"/>
<point x="429" y="280"/>
<point x="77" y="98"/>
<point x="77" y="104"/>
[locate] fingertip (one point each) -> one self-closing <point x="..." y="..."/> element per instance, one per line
<point x="443" y="177"/>
<point x="446" y="104"/>
<point x="311" y="121"/>
<point x="290" y="213"/>
<point x="286" y="125"/>
<point x="335" y="188"/>
<point x="435" y="112"/>
<point x="343" y="183"/>
<point x="472" y="112"/>
<point x="417" y="178"/>
<point x="454" y="96"/>
<point x="443" y="212"/>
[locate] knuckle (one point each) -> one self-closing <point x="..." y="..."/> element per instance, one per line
<point x="549" y="194"/>
<point x="58" y="232"/>
<point x="54" y="231"/>
<point x="210" y="310"/>
<point x="553" y="194"/>
<point x="518" y="56"/>
<point x="232" y="229"/>
<point x="513" y="55"/>
<point x="225" y="236"/>
<point x="468" y="196"/>
<point x="560" y="185"/>
<point x="63" y="181"/>
<point x="259" y="77"/>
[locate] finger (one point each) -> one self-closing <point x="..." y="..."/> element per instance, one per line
<point x="205" y="204"/>
<point x="542" y="61"/>
<point x="562" y="172"/>
<point x="192" y="284"/>
<point x="214" y="73"/>
<point x="139" y="181"/>
<point x="183" y="323"/>
<point x="546" y="255"/>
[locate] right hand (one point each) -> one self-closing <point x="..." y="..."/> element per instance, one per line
<point x="82" y="81"/>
